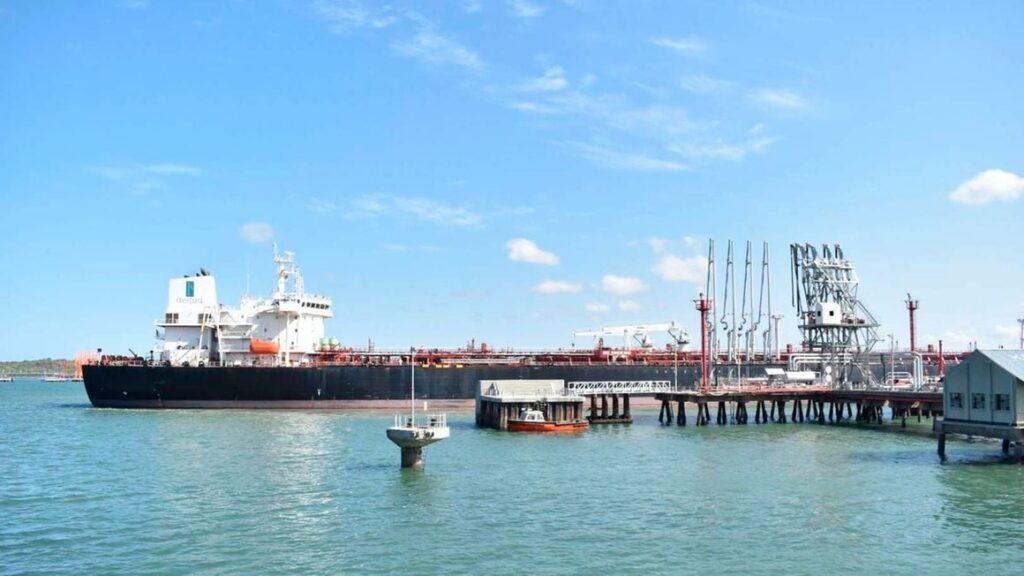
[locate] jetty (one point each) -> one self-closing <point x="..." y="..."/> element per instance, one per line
<point x="797" y="404"/>
<point x="498" y="401"/>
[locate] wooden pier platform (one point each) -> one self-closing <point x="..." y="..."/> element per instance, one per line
<point x="807" y="404"/>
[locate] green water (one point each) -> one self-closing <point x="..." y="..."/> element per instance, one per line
<point x="87" y="491"/>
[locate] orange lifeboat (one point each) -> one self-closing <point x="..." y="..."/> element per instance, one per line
<point x="257" y="346"/>
<point x="533" y="421"/>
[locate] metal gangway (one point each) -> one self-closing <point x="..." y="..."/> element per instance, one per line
<point x="589" y="388"/>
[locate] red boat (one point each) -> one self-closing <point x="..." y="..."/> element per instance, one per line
<point x="533" y="421"/>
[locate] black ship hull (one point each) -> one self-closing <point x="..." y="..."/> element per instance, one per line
<point x="330" y="387"/>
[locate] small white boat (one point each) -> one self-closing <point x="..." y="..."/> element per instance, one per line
<point x="534" y="421"/>
<point x="6" y="379"/>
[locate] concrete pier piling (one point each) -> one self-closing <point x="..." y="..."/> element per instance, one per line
<point x="799" y="406"/>
<point x="620" y="411"/>
<point x="412" y="457"/>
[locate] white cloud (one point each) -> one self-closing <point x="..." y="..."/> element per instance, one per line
<point x="534" y="107"/>
<point x="524" y="9"/>
<point x="557" y="287"/>
<point x="172" y="169"/>
<point x="471" y="6"/>
<point x="625" y="160"/>
<point x="144" y="179"/>
<point x="657" y="121"/>
<point x="431" y="211"/>
<point x="700" y="151"/>
<point x="523" y="250"/>
<point x="989" y="186"/>
<point x="598" y="308"/>
<point x="704" y="84"/>
<point x="1008" y="334"/>
<point x="690" y="241"/>
<point x="553" y="80"/>
<point x="664" y="120"/>
<point x="372" y="206"/>
<point x="622" y="285"/>
<point x="433" y="48"/>
<point x="257" y="232"/>
<point x="343" y="16"/>
<point x="689" y="46"/>
<point x="629" y="306"/>
<point x="137" y="171"/>
<point x="658" y="245"/>
<point x="321" y="206"/>
<point x="110" y="172"/>
<point x="672" y="268"/>
<point x="423" y="209"/>
<point x="779" y="98"/>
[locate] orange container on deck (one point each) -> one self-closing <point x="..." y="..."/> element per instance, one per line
<point x="263" y="347"/>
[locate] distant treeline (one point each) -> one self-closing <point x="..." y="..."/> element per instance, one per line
<point x="41" y="366"/>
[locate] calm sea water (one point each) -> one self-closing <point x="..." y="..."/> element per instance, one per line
<point x="88" y="491"/>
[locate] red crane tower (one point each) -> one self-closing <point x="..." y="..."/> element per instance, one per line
<point x="912" y="307"/>
<point x="703" y="305"/>
<point x="942" y="361"/>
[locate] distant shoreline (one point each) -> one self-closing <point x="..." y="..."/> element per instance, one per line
<point x="33" y="367"/>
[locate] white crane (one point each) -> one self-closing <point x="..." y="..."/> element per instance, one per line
<point x="638" y="335"/>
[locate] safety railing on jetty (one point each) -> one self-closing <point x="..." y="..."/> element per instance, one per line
<point x="588" y="388"/>
<point x="421" y="421"/>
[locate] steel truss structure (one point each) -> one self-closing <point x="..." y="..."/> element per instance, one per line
<point x="835" y="324"/>
<point x="619" y="387"/>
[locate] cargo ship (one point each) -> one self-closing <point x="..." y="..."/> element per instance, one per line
<point x="273" y="352"/>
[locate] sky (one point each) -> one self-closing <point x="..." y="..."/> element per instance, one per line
<point x="504" y="171"/>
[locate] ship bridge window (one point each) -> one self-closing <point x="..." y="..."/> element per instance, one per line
<point x="190" y="289"/>
<point x="171" y="318"/>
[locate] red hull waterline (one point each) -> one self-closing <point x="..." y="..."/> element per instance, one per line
<point x="523" y="426"/>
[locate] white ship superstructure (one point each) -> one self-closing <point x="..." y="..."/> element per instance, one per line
<point x="283" y="330"/>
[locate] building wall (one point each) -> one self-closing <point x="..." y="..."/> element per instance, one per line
<point x="956" y="383"/>
<point x="1004" y="383"/>
<point x="1018" y="401"/>
<point x="979" y="386"/>
<point x="983" y="386"/>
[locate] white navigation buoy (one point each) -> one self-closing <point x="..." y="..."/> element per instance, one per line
<point x="411" y="436"/>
